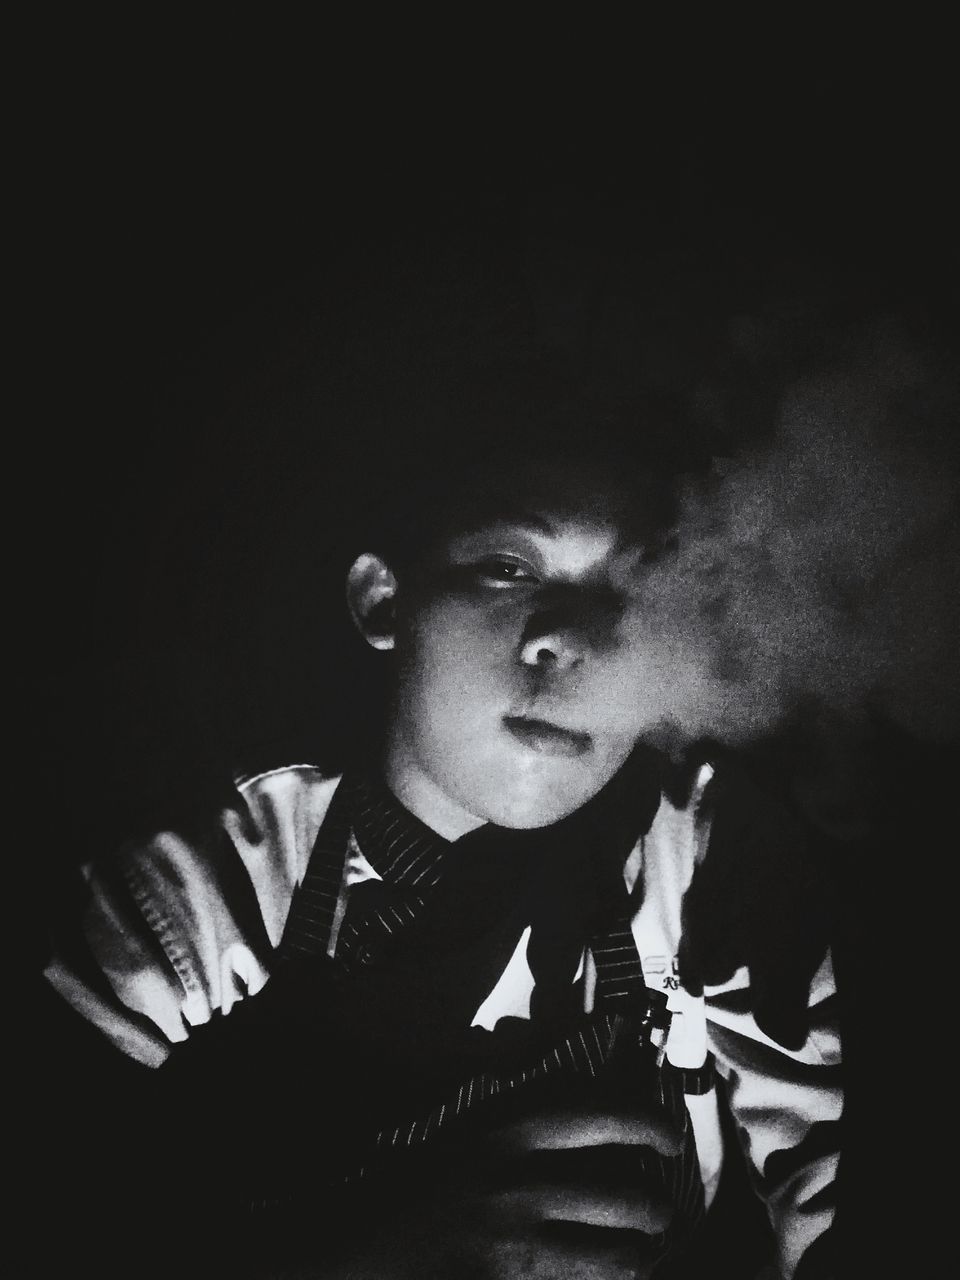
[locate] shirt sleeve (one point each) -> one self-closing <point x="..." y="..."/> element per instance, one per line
<point x="171" y="930"/>
<point x="786" y="1105"/>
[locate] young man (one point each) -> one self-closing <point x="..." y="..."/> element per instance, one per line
<point x="460" y="1040"/>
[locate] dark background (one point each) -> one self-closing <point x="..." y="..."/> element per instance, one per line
<point x="239" y="302"/>
<point x="236" y="294"/>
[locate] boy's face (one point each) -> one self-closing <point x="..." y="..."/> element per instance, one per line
<point x="518" y="691"/>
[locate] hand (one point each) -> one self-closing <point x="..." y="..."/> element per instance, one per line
<point x="561" y="1194"/>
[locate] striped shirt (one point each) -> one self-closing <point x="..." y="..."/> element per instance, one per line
<point x="183" y="926"/>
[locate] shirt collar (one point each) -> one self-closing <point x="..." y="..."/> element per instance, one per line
<point x="400" y="848"/>
<point x="404" y="851"/>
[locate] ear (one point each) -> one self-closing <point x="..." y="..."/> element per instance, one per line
<point x="371" y="589"/>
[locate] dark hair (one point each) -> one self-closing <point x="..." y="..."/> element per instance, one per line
<point x="457" y="440"/>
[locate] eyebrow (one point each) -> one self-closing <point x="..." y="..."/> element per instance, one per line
<point x="626" y="544"/>
<point x="516" y="517"/>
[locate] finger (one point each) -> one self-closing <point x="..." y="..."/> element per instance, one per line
<point x="586" y="1205"/>
<point x="564" y="1128"/>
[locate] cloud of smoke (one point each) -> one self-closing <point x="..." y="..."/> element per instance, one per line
<point x="820" y="570"/>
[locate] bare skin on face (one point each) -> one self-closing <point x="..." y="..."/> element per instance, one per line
<point x="517" y="673"/>
<point x="517" y="689"/>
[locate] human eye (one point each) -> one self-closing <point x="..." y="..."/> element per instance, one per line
<point x="504" y="571"/>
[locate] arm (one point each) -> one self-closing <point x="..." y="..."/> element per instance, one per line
<point x="154" y="949"/>
<point x="159" y="938"/>
<point x="525" y="1203"/>
<point x="787" y="1107"/>
<point x="758" y="917"/>
<point x="147" y="947"/>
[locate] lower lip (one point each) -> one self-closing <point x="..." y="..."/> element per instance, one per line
<point x="547" y="738"/>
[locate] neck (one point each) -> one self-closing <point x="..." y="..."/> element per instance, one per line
<point x="424" y="799"/>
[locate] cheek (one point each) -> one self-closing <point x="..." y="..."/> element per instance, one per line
<point x="625" y="693"/>
<point x="644" y="686"/>
<point x="456" y="656"/>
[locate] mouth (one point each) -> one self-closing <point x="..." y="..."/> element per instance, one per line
<point x="548" y="739"/>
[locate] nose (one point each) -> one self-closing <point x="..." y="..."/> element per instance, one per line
<point x="553" y="650"/>
<point x="562" y="637"/>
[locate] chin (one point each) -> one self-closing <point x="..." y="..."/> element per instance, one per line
<point x="526" y="813"/>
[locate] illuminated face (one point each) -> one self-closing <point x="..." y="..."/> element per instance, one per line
<point x="518" y="672"/>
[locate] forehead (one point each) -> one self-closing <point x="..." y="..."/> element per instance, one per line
<point x="558" y="498"/>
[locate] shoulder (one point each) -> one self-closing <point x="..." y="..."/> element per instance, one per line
<point x="289" y="800"/>
<point x="184" y="922"/>
<point x="239" y="859"/>
<point x="678" y="834"/>
<point x="758" y="836"/>
<point x="277" y="815"/>
<point x="661" y="866"/>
